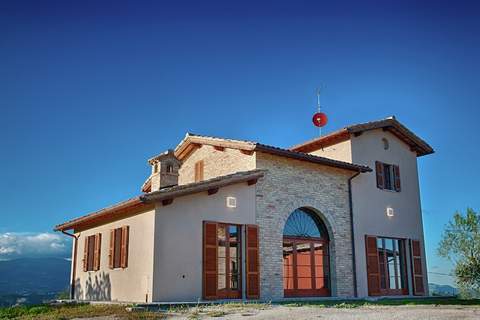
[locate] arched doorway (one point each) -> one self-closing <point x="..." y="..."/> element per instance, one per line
<point x="306" y="267"/>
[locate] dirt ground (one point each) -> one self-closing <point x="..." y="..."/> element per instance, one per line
<point x="311" y="312"/>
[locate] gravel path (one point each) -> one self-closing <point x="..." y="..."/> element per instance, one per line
<point x="277" y="312"/>
<point x="367" y="313"/>
<point x="361" y="313"/>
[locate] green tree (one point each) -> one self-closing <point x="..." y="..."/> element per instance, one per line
<point x="461" y="244"/>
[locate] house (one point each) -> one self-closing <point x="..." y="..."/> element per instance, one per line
<point x="217" y="218"/>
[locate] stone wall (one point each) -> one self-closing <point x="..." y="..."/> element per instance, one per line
<point x="216" y="163"/>
<point x="291" y="184"/>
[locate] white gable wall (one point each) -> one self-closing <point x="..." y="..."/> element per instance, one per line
<point x="341" y="151"/>
<point x="369" y="202"/>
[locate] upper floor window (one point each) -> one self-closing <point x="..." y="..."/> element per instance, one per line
<point x="388" y="176"/>
<point x="385" y="143"/>
<point x="118" y="256"/>
<point x="155" y="168"/>
<point x="199" y="171"/>
<point x="169" y="168"/>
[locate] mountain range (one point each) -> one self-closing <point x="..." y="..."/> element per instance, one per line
<point x="32" y="280"/>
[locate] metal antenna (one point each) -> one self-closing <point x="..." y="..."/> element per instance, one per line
<point x="318" y="110"/>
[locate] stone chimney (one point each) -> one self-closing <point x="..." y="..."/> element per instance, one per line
<point x="164" y="170"/>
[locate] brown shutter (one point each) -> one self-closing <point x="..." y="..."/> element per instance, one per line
<point x="396" y="174"/>
<point x="124" y="247"/>
<point x="210" y="263"/>
<point x="417" y="270"/>
<point x="111" y="255"/>
<point x="373" y="267"/>
<point x="85" y="255"/>
<point x="199" y="171"/>
<point x="252" y="270"/>
<point x="98" y="247"/>
<point x="379" y="171"/>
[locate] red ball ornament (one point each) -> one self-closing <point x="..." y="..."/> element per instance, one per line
<point x="319" y="119"/>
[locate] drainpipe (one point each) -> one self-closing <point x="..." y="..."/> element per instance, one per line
<point x="74" y="262"/>
<point x="354" y="260"/>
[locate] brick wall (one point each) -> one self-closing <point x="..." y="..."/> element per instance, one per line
<point x="216" y="163"/>
<point x="291" y="184"/>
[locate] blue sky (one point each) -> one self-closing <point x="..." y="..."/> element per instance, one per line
<point x="89" y="91"/>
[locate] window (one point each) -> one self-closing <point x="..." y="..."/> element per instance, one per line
<point x="386" y="266"/>
<point x="155" y="168"/>
<point x="91" y="253"/>
<point x="118" y="257"/>
<point x="305" y="255"/>
<point x="199" y="171"/>
<point x="385" y="143"/>
<point x="388" y="176"/>
<point x="169" y="168"/>
<point x="391" y="259"/>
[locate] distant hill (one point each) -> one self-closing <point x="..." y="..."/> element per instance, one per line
<point x="29" y="280"/>
<point x="442" y="289"/>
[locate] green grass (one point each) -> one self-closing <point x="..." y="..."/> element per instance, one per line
<point x="47" y="312"/>
<point x="383" y="302"/>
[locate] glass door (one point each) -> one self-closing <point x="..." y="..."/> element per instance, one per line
<point x="229" y="261"/>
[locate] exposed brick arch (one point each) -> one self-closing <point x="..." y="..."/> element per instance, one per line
<point x="289" y="185"/>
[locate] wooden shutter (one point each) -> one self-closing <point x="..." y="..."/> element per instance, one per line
<point x="417" y="270"/>
<point x="373" y="267"/>
<point x="210" y="263"/>
<point x="85" y="255"/>
<point x="396" y="174"/>
<point x="252" y="269"/>
<point x="379" y="171"/>
<point x="111" y="255"/>
<point x="199" y="171"/>
<point x="124" y="247"/>
<point x="97" y="251"/>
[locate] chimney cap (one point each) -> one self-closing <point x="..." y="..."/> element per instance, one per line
<point x="168" y="154"/>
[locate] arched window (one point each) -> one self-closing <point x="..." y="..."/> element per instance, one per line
<point x="306" y="270"/>
<point x="385" y="143"/>
<point x="304" y="224"/>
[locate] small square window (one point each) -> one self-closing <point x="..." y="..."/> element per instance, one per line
<point x="388" y="176"/>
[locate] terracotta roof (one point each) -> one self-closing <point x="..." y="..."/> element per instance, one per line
<point x="389" y="124"/>
<point x="147" y="185"/>
<point x="117" y="210"/>
<point x="193" y="141"/>
<point x="140" y="203"/>
<point x="195" y="187"/>
<point x="311" y="158"/>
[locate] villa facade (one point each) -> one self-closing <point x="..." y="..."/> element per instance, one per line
<point x="337" y="216"/>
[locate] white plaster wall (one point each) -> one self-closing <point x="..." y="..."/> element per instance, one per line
<point x="369" y="202"/>
<point x="341" y="151"/>
<point x="179" y="238"/>
<point x="127" y="285"/>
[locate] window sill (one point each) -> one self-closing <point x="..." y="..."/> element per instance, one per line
<point x="388" y="190"/>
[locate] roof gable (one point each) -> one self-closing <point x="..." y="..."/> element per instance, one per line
<point x="416" y="144"/>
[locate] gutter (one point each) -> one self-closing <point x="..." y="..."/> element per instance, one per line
<point x="74" y="264"/>
<point x="354" y="259"/>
